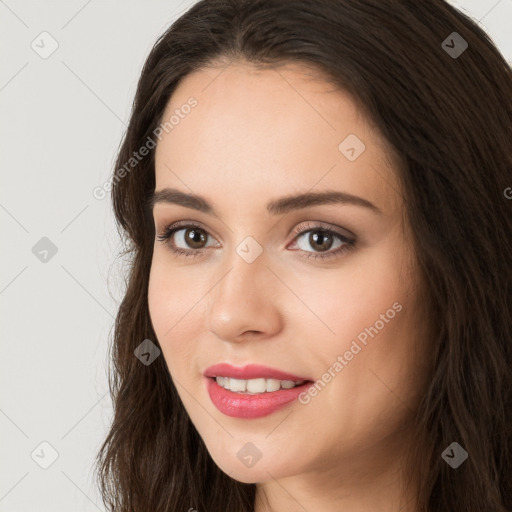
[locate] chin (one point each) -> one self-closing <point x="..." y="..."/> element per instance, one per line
<point x="261" y="470"/>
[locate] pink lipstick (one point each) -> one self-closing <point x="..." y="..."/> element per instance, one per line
<point x="252" y="391"/>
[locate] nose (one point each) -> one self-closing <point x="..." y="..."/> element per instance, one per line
<point x="244" y="304"/>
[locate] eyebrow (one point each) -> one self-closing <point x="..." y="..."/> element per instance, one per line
<point x="276" y="207"/>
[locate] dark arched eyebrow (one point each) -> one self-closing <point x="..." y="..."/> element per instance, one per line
<point x="275" y="207"/>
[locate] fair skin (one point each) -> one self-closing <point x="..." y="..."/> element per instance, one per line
<point x="255" y="136"/>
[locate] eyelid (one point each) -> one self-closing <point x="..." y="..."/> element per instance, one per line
<point x="318" y="224"/>
<point x="182" y="224"/>
<point x="310" y="224"/>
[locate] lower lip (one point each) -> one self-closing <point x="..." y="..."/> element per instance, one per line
<point x="243" y="405"/>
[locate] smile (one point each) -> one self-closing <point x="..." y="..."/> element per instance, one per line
<point x="252" y="391"/>
<point x="256" y="386"/>
<point x="249" y="405"/>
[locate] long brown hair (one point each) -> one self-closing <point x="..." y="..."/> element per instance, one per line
<point x="449" y="117"/>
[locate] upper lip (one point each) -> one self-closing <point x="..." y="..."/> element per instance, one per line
<point x="250" y="371"/>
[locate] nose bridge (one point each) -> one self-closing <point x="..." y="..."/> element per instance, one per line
<point x="240" y="301"/>
<point x="244" y="283"/>
<point x="247" y="265"/>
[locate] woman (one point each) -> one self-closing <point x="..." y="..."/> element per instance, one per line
<point x="317" y="314"/>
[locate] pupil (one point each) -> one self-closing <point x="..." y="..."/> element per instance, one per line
<point x="317" y="240"/>
<point x="195" y="237"/>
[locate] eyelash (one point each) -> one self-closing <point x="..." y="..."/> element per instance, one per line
<point x="348" y="243"/>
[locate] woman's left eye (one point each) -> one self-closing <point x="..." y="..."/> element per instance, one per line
<point x="323" y="239"/>
<point x="320" y="238"/>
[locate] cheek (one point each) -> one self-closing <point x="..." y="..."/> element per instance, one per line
<point x="373" y="323"/>
<point x="341" y="304"/>
<point x="171" y="293"/>
<point x="173" y="308"/>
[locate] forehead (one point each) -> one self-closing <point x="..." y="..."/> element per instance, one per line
<point x="262" y="130"/>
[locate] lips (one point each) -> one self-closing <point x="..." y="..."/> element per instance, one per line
<point x="250" y="371"/>
<point x="246" y="405"/>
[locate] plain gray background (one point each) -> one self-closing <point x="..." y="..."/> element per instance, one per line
<point x="62" y="119"/>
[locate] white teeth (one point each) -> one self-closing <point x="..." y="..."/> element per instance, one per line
<point x="236" y="384"/>
<point x="273" y="384"/>
<point x="255" y="386"/>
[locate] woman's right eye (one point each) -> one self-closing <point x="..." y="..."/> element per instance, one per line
<point x="184" y="240"/>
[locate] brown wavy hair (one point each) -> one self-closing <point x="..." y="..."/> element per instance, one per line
<point x="450" y="120"/>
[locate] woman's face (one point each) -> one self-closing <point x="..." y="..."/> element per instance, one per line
<point x="333" y="305"/>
